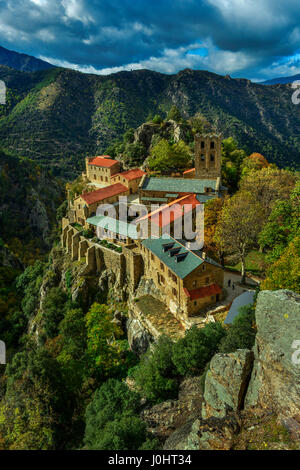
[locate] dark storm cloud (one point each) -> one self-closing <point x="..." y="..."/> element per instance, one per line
<point x="244" y="37"/>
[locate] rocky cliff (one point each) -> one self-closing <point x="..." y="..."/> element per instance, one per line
<point x="29" y="199"/>
<point x="251" y="399"/>
<point x="275" y="379"/>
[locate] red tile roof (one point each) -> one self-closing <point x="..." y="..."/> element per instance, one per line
<point x="133" y="174"/>
<point x="206" y="291"/>
<point x="104" y="161"/>
<point x="104" y="193"/>
<point x="173" y="211"/>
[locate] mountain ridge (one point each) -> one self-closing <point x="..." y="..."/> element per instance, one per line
<point x="281" y="80"/>
<point x="22" y="62"/>
<point x="59" y="115"/>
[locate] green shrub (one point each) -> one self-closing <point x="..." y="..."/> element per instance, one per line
<point x="157" y="119"/>
<point x="28" y="284"/>
<point x="241" y="334"/>
<point x="156" y="376"/>
<point x="174" y="114"/>
<point x="111" y="419"/>
<point x="54" y="308"/>
<point x="191" y="353"/>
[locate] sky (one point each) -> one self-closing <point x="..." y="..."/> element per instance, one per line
<point x="254" y="39"/>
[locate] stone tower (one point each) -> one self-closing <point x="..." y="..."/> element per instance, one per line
<point x="208" y="156"/>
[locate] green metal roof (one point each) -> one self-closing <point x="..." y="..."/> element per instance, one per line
<point x="178" y="185"/>
<point x="155" y="199"/>
<point x="203" y="198"/>
<point x="181" y="268"/>
<point x="114" y="225"/>
<point x="171" y="195"/>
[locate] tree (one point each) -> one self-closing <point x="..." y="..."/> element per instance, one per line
<point x="174" y="114"/>
<point x="255" y="161"/>
<point x="103" y="349"/>
<point x="54" y="308"/>
<point x="29" y="426"/>
<point x="268" y="186"/>
<point x="125" y="433"/>
<point x="212" y="213"/>
<point x="112" y="421"/>
<point x="36" y="402"/>
<point x="285" y="272"/>
<point x="157" y="119"/>
<point x="200" y="124"/>
<point x="283" y="225"/>
<point x="110" y="401"/>
<point x="128" y="137"/>
<point x="134" y="153"/>
<point x="166" y="156"/>
<point x="156" y="375"/>
<point x="191" y="353"/>
<point x="72" y="340"/>
<point x="241" y="334"/>
<point x="239" y="225"/>
<point x="28" y="284"/>
<point x="232" y="158"/>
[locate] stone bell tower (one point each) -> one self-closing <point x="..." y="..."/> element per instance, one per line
<point x="208" y="156"/>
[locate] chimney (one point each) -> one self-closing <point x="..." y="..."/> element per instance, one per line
<point x="203" y="255"/>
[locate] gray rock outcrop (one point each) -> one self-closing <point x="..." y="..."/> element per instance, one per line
<point x="138" y="337"/>
<point x="226" y="383"/>
<point x="8" y="259"/>
<point x="275" y="380"/>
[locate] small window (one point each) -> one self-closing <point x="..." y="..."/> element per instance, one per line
<point x="212" y="145"/>
<point x="195" y="302"/>
<point x="162" y="267"/>
<point x="212" y="158"/>
<point x="203" y="267"/>
<point x="202" y="144"/>
<point x="194" y="283"/>
<point x="202" y="157"/>
<point x="174" y="291"/>
<point x="152" y="257"/>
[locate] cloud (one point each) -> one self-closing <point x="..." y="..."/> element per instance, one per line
<point x="251" y="38"/>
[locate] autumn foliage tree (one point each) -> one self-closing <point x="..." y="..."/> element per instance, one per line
<point x="255" y="161"/>
<point x="285" y="272"/>
<point x="239" y="226"/>
<point x="283" y="225"/>
<point x="267" y="186"/>
<point x="212" y="213"/>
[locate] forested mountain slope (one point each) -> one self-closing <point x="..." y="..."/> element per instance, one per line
<point x="57" y="116"/>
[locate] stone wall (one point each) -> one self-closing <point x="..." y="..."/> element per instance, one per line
<point x="134" y="265"/>
<point x="127" y="266"/>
